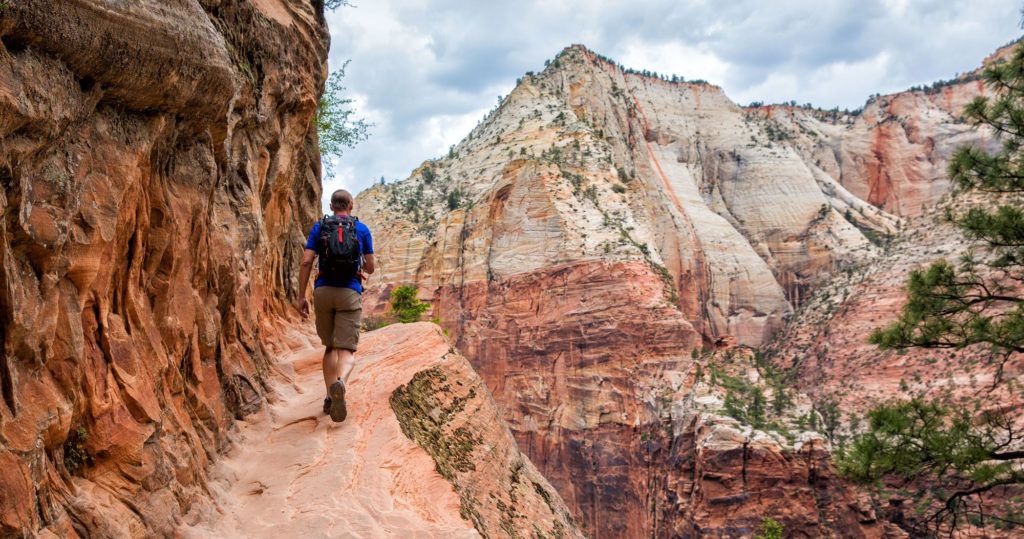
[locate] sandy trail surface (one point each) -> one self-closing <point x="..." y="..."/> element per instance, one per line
<point x="294" y="473"/>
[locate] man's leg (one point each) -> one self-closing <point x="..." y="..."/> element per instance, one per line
<point x="347" y="361"/>
<point x="335" y="404"/>
<point x="345" y="337"/>
<point x="323" y="308"/>
<point x="347" y="320"/>
<point x="332" y="365"/>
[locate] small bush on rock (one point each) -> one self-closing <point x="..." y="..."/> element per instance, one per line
<point x="405" y="306"/>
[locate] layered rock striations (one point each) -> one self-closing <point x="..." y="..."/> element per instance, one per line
<point x="158" y="165"/>
<point x="423" y="453"/>
<point x="893" y="152"/>
<point x="826" y="342"/>
<point x="598" y="226"/>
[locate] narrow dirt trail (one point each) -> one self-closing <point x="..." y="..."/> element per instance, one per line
<point x="295" y="473"/>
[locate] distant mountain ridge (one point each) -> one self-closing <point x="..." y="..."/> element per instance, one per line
<point x="599" y="226"/>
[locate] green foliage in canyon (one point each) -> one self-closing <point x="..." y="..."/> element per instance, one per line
<point x="405" y="304"/>
<point x="955" y="456"/>
<point x="770" y="529"/>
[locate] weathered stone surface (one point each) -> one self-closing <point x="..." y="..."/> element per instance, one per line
<point x="727" y="477"/>
<point x="157" y="165"/>
<point x="827" y="340"/>
<point x="598" y="226"/>
<point x="423" y="453"/>
<point x="449" y="412"/>
<point x="893" y="153"/>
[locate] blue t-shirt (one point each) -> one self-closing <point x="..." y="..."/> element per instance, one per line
<point x="365" y="248"/>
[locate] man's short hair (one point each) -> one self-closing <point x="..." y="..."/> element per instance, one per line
<point x="341" y="200"/>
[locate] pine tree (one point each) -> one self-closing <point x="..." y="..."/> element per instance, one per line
<point x="405" y="304"/>
<point x="955" y="458"/>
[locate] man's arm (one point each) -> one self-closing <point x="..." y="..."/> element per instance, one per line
<point x="304" y="270"/>
<point x="366" y="244"/>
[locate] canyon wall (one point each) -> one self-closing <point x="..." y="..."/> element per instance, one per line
<point x="600" y="225"/>
<point x="158" y="166"/>
<point x="895" y="155"/>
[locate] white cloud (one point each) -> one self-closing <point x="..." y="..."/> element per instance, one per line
<point x="675" y="59"/>
<point x="837" y="82"/>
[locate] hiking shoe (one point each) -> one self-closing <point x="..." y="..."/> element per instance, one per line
<point x="327" y="406"/>
<point x="338" y="411"/>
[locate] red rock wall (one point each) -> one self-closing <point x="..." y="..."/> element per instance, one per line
<point x="894" y="153"/>
<point x="614" y="224"/>
<point x="593" y="368"/>
<point x="158" y="165"/>
<point x="910" y="138"/>
<point x="567" y="350"/>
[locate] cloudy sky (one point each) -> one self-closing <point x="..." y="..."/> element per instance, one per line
<point x="425" y="71"/>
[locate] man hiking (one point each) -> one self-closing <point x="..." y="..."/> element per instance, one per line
<point x="345" y="250"/>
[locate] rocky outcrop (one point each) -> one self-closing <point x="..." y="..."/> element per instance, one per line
<point x="449" y="412"/>
<point x="724" y="477"/>
<point x="423" y="453"/>
<point x="600" y="225"/>
<point x="893" y="152"/>
<point x="158" y="164"/>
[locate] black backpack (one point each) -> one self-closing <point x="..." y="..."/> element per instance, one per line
<point x="338" y="247"/>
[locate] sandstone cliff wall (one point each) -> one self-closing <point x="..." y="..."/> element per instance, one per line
<point x="893" y="152"/>
<point x="595" y="229"/>
<point x="158" y="165"/>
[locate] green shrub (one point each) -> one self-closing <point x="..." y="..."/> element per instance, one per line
<point x="75" y="455"/>
<point x="454" y="199"/>
<point x="405" y="306"/>
<point x="770" y="529"/>
<point x="371" y="323"/>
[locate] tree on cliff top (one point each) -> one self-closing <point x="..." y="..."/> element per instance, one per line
<point x="336" y="126"/>
<point x="955" y="457"/>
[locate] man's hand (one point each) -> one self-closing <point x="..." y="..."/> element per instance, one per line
<point x="307" y="265"/>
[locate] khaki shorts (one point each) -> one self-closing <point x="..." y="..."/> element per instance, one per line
<point x="339" y="312"/>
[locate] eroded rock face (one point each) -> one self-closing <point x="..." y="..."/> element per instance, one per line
<point x="449" y="412"/>
<point x="727" y="477"/>
<point x="827" y="340"/>
<point x="422" y="453"/>
<point x="592" y="232"/>
<point x="157" y="164"/>
<point x="894" y="152"/>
